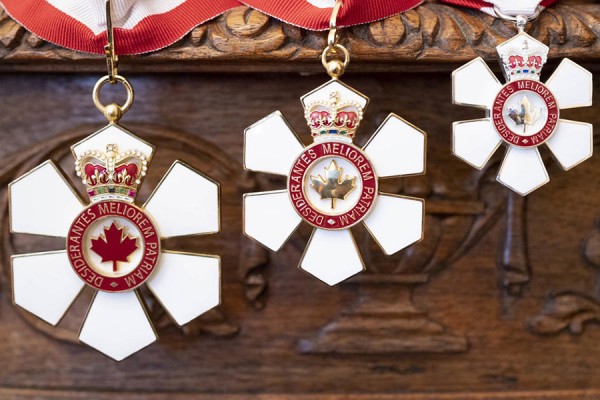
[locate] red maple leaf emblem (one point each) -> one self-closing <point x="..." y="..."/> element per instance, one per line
<point x="114" y="245"/>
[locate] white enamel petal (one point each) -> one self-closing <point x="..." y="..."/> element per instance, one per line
<point x="397" y="148"/>
<point x="271" y="146"/>
<point x="475" y="141"/>
<point x="572" y="85"/>
<point x="270" y="218"/>
<point x="185" y="202"/>
<point x="187" y="285"/>
<point x="332" y="256"/>
<point x="474" y="84"/>
<point x="523" y="170"/>
<point x="45" y="284"/>
<point x="572" y="143"/>
<point x="42" y="202"/>
<point x="117" y="325"/>
<point x="113" y="134"/>
<point x="396" y="222"/>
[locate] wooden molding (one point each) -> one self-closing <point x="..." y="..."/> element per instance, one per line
<point x="65" y="395"/>
<point x="432" y="37"/>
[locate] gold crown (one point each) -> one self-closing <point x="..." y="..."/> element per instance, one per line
<point x="333" y="117"/>
<point x="110" y="174"/>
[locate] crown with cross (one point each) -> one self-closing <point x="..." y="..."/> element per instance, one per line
<point x="111" y="174"/>
<point x="333" y="116"/>
<point x="523" y="57"/>
<point x="110" y="171"/>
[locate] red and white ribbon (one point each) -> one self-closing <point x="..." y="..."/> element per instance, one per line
<point x="139" y="26"/>
<point x="315" y="14"/>
<point x="510" y="7"/>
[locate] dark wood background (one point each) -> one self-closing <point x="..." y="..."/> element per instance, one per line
<point x="500" y="301"/>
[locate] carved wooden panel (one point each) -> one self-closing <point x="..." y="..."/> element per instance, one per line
<point x="471" y="308"/>
<point x="500" y="301"/>
<point x="428" y="37"/>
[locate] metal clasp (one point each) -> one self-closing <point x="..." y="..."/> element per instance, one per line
<point x="520" y="21"/>
<point x="112" y="60"/>
<point x="113" y="112"/>
<point x="335" y="57"/>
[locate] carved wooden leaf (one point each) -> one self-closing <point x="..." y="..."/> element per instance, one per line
<point x="413" y="22"/>
<point x="566" y="311"/>
<point x="388" y="32"/>
<point x="247" y="25"/>
<point x="450" y="37"/>
<point x="552" y="27"/>
<point x="246" y="22"/>
<point x="10" y="33"/>
<point x="591" y="248"/>
<point x="430" y="24"/>
<point x="34" y="40"/>
<point x="197" y="34"/>
<point x="580" y="34"/>
<point x="474" y="30"/>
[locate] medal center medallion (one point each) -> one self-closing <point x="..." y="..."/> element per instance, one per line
<point x="332" y="185"/>
<point x="113" y="246"/>
<point x="525" y="113"/>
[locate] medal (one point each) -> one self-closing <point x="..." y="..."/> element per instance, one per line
<point x="332" y="184"/>
<point x="113" y="244"/>
<point x="524" y="113"/>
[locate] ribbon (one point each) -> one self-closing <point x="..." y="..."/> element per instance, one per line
<point x="510" y="6"/>
<point x="315" y="14"/>
<point x="139" y="26"/>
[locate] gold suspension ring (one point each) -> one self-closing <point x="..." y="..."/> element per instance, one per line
<point x="113" y="112"/>
<point x="334" y="66"/>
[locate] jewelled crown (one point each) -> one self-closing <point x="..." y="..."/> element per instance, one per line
<point x="111" y="174"/>
<point x="523" y="57"/>
<point x="333" y="117"/>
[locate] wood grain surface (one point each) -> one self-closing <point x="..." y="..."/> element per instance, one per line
<point x="500" y="301"/>
<point x="463" y="318"/>
<point x="434" y="37"/>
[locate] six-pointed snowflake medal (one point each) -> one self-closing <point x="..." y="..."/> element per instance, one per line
<point x="333" y="184"/>
<point x="114" y="245"/>
<point x="524" y="113"/>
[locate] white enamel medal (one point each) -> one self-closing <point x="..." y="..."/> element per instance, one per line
<point x="332" y="184"/>
<point x="524" y="113"/>
<point x="112" y="244"/>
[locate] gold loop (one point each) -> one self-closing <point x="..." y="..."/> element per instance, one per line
<point x="121" y="109"/>
<point x="336" y="49"/>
